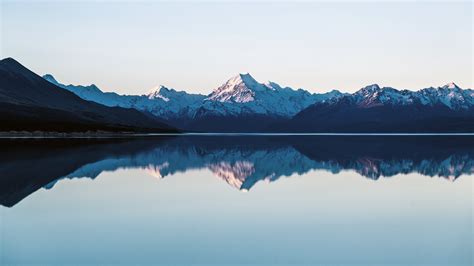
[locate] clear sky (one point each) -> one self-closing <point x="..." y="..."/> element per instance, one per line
<point x="131" y="47"/>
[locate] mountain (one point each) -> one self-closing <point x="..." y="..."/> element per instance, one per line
<point x="242" y="94"/>
<point x="244" y="105"/>
<point x="449" y="95"/>
<point x="29" y="102"/>
<point x="240" y="104"/>
<point x="178" y="103"/>
<point x="375" y="109"/>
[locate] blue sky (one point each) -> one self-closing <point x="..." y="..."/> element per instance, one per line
<point x="131" y="47"/>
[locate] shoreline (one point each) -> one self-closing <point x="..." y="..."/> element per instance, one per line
<point x="107" y="134"/>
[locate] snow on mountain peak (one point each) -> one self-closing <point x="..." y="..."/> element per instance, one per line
<point x="370" y="89"/>
<point x="246" y="79"/>
<point x="239" y="89"/>
<point x="449" y="95"/>
<point x="367" y="93"/>
<point x="157" y="88"/>
<point x="272" y="85"/>
<point x="159" y="91"/>
<point x="451" y="85"/>
<point x="259" y="98"/>
<point x="168" y="94"/>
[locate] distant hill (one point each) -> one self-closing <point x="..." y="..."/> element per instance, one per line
<point x="29" y="102"/>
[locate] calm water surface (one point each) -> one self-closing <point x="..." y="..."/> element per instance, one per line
<point x="238" y="200"/>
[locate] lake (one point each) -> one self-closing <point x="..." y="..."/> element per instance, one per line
<point x="228" y="200"/>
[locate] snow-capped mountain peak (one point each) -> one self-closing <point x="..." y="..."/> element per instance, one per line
<point x="238" y="89"/>
<point x="157" y="88"/>
<point x="242" y="94"/>
<point x="367" y="96"/>
<point x="370" y="89"/>
<point x="451" y="85"/>
<point x="240" y="79"/>
<point x="160" y="92"/>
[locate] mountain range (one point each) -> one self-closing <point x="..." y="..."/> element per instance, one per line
<point x="241" y="104"/>
<point x="375" y="109"/>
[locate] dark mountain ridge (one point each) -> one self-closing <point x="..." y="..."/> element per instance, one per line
<point x="28" y="102"/>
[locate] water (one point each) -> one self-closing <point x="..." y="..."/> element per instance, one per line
<point x="237" y="200"/>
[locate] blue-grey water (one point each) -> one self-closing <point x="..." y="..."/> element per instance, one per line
<point x="229" y="200"/>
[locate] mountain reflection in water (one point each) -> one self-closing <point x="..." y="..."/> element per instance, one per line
<point x="241" y="161"/>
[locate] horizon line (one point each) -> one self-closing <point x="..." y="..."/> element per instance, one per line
<point x="153" y="88"/>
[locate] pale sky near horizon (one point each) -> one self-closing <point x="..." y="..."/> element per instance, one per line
<point x="131" y="47"/>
